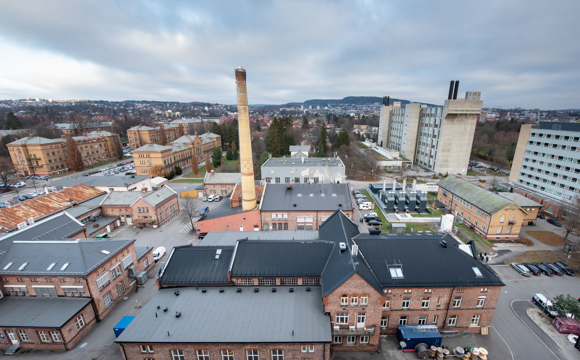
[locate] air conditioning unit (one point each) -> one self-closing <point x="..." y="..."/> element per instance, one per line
<point x="336" y="327"/>
<point x="351" y="328"/>
<point x="30" y="221"/>
<point x="22" y="225"/>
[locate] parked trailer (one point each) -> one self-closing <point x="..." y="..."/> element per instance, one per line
<point x="122" y="325"/>
<point x="418" y="338"/>
<point x="566" y="326"/>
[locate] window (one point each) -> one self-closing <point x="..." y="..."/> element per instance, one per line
<point x="354" y="300"/>
<point x="406" y="303"/>
<point x="384" y="321"/>
<point x="103" y="281"/>
<point x="499" y="230"/>
<point x="344" y="300"/>
<point x="480" y="301"/>
<point x="127" y="261"/>
<point x="364" y="339"/>
<point x="55" y="336"/>
<point x="457" y="302"/>
<point x="364" y="299"/>
<point x="177" y="355"/>
<point x="267" y="281"/>
<point x="311" y="281"/>
<point x="80" y="322"/>
<point x="351" y="340"/>
<point x="361" y="318"/>
<point x="250" y="355"/>
<point x="204" y="354"/>
<point x="435" y="319"/>
<point x="452" y="320"/>
<point x="475" y="320"/>
<point x="289" y="281"/>
<point x="277" y="354"/>
<point x="422" y="320"/>
<point x="403" y="320"/>
<point x="425" y="303"/>
<point x="387" y="303"/>
<point x="43" y="336"/>
<point x="227" y="354"/>
<point x="23" y="335"/>
<point x="337" y="340"/>
<point x="120" y="288"/>
<point x="342" y="318"/>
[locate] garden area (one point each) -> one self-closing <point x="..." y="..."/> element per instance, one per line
<point x="547" y="237"/>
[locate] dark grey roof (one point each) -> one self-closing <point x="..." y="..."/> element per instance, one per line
<point x="424" y="261"/>
<point x="232" y="317"/>
<point x="158" y="196"/>
<point x="221" y="210"/>
<point x="521" y="200"/>
<point x="559" y="125"/>
<point x="280" y="258"/>
<point x="97" y="180"/>
<point x="101" y="223"/>
<point x="141" y="251"/>
<point x="82" y="256"/>
<point x="57" y="227"/>
<point x="474" y="194"/>
<point x="31" y="312"/>
<point x="229" y="238"/>
<point x="196" y="265"/>
<point x="306" y="197"/>
<point x="85" y="207"/>
<point x="302" y="162"/>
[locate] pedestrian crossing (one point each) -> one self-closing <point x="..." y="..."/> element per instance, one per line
<point x="187" y="228"/>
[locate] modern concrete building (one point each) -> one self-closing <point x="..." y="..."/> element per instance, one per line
<point x="437" y="138"/>
<point x="546" y="165"/>
<point x="304" y="171"/>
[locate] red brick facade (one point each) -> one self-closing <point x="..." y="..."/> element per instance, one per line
<point x="248" y="220"/>
<point x="296" y="220"/>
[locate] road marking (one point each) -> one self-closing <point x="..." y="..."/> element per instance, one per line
<point x="185" y="229"/>
<point x="512" y="307"/>
<point x="506" y="344"/>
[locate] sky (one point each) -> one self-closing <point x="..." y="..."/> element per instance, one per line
<point x="518" y="53"/>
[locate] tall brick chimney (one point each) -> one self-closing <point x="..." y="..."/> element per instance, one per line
<point x="246" y="163"/>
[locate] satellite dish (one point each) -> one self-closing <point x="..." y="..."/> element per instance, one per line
<point x="403" y="344"/>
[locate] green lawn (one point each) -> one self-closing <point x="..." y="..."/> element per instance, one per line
<point x="361" y="145"/>
<point x="466" y="235"/>
<point x="386" y="225"/>
<point x="200" y="174"/>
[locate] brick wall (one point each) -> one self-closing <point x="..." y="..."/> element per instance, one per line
<point x="160" y="213"/>
<point x="50" y="281"/>
<point x="291" y="219"/>
<point x="163" y="351"/>
<point x="248" y="220"/>
<point x="70" y="334"/>
<point x="218" y="189"/>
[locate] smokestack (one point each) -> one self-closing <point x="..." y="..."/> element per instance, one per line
<point x="405" y="185"/>
<point x="414" y="184"/>
<point x="451" y="85"/>
<point x="394" y="184"/>
<point x="384" y="101"/>
<point x="246" y="164"/>
<point x="388" y="100"/>
<point x="456" y="90"/>
<point x="384" y="185"/>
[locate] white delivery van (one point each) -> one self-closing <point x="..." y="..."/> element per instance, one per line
<point x="158" y="253"/>
<point x="365" y="206"/>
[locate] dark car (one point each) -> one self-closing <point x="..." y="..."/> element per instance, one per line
<point x="372" y="218"/>
<point x="541" y="216"/>
<point x="375" y="223"/>
<point x="534" y="270"/>
<point x="568" y="270"/>
<point x="543" y="268"/>
<point x="22" y="198"/>
<point x="555" y="222"/>
<point x="555" y="269"/>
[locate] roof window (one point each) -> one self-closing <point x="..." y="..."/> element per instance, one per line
<point x="396" y="272"/>
<point x="50" y="266"/>
<point x="62" y="268"/>
<point x="477" y="272"/>
<point x="8" y="265"/>
<point x="22" y="266"/>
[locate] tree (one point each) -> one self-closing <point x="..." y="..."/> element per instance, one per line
<point x="566" y="304"/>
<point x="170" y="175"/>
<point x="305" y="123"/>
<point x="234" y="147"/>
<point x="229" y="155"/>
<point x="158" y="170"/>
<point x="74" y="159"/>
<point x="189" y="211"/>
<point x="12" y="122"/>
<point x="571" y="224"/>
<point x="178" y="170"/>
<point x="5" y="168"/>
<point x="216" y="157"/>
<point x="116" y="147"/>
<point x="236" y="154"/>
<point x="258" y="167"/>
<point x="342" y="139"/>
<point x="162" y="136"/>
<point x="114" y="129"/>
<point x="323" y="139"/>
<point x="194" y="168"/>
<point x="207" y="164"/>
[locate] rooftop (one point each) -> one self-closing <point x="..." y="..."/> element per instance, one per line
<point x="57" y="227"/>
<point x="560" y="125"/>
<point x="306" y="197"/>
<point x="156" y="197"/>
<point x="229" y="238"/>
<point x="122" y="197"/>
<point x="36" y="141"/>
<point x="209" y="317"/>
<point x="221" y="210"/>
<point x="519" y="199"/>
<point x="96" y="180"/>
<point x="474" y="194"/>
<point x="299" y="148"/>
<point x="188" y="265"/>
<point x="85" y="207"/>
<point x="222" y="178"/>
<point x="33" y="312"/>
<point x="302" y="162"/>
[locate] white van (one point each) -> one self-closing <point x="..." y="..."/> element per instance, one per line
<point x="365" y="206"/>
<point x="158" y="253"/>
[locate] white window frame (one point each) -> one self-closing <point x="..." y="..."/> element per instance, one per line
<point x="127" y="261"/>
<point x="277" y="354"/>
<point x="406" y="303"/>
<point x="177" y="354"/>
<point x="435" y="318"/>
<point x="251" y="354"/>
<point x="384" y="321"/>
<point x="457" y="302"/>
<point x="55" y="336"/>
<point x="480" y="301"/>
<point x="422" y="320"/>
<point x="403" y="320"/>
<point x="364" y="339"/>
<point x="344" y="300"/>
<point x="104" y="281"/>
<point x="202" y="354"/>
<point x="354" y="300"/>
<point x="22" y="335"/>
<point x="80" y="322"/>
<point x="425" y="303"/>
<point x="351" y="340"/>
<point x="227" y="354"/>
<point x="342" y="318"/>
<point x="364" y="300"/>
<point x="452" y="320"/>
<point x="43" y="336"/>
<point x="337" y="339"/>
<point x="475" y="320"/>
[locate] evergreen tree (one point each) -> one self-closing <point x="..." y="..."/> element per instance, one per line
<point x="236" y="155"/>
<point x="74" y="159"/>
<point x="207" y="164"/>
<point x="305" y="124"/>
<point x="342" y="139"/>
<point x="216" y="157"/>
<point x="216" y="129"/>
<point x="275" y="138"/>
<point x="194" y="166"/>
<point x="12" y="122"/>
<point x="234" y="146"/>
<point x="162" y="136"/>
<point x="229" y="155"/>
<point x="323" y="139"/>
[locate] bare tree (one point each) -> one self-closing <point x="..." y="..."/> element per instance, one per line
<point x="571" y="225"/>
<point x="189" y="211"/>
<point x="5" y="167"/>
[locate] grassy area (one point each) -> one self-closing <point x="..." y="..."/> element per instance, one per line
<point x="547" y="237"/>
<point x="431" y="196"/>
<point x="361" y="145"/>
<point x="416" y="227"/>
<point x="472" y="173"/>
<point x="200" y="174"/>
<point x="434" y="213"/>
<point x="549" y="256"/>
<point x="197" y="181"/>
<point x="466" y="235"/>
<point x="386" y="225"/>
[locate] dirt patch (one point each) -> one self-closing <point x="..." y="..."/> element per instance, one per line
<point x="547" y="237"/>
<point x="527" y="242"/>
<point x="549" y="256"/>
<point x="545" y="323"/>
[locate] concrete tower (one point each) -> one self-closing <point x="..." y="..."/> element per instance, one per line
<point x="246" y="163"/>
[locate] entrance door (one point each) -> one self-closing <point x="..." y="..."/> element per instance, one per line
<point x="123" y="219"/>
<point x="241" y="227"/>
<point x="12" y="337"/>
<point x="360" y="320"/>
<point x="129" y="221"/>
<point x="108" y="228"/>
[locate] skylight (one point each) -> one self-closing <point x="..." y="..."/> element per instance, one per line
<point x="396" y="272"/>
<point x="64" y="266"/>
<point x="22" y="266"/>
<point x="50" y="266"/>
<point x="8" y="265"/>
<point x="477" y="272"/>
<point x="105" y="252"/>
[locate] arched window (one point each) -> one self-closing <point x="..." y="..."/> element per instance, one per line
<point x="344" y="300"/>
<point x="364" y="299"/>
<point x="354" y="300"/>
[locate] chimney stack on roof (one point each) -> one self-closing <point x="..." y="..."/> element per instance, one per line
<point x="482" y="183"/>
<point x="212" y="173"/>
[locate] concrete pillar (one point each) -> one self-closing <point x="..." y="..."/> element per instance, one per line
<point x="246" y="163"/>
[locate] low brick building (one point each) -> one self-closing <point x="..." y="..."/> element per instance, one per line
<point x="531" y="207"/>
<point x="220" y="183"/>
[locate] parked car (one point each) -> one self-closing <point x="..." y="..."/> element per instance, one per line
<point x="205" y="199"/>
<point x="541" y="216"/>
<point x="2" y="205"/>
<point x="22" y="198"/>
<point x="555" y="269"/>
<point x="520" y="268"/>
<point x="371" y="218"/>
<point x="19" y="184"/>
<point x="217" y="198"/>
<point x="158" y="253"/>
<point x="358" y="196"/>
<point x="103" y="236"/>
<point x="544" y="304"/>
<point x="370" y="215"/>
<point x="204" y="210"/>
<point x="555" y="222"/>
<point x="543" y="268"/>
<point x="375" y="223"/>
<point x="534" y="270"/>
<point x="568" y="270"/>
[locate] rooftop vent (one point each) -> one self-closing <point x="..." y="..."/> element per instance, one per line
<point x="342" y="246"/>
<point x="176" y="292"/>
<point x="256" y="290"/>
<point x="308" y="288"/>
<point x="165" y="309"/>
<point x="291" y="290"/>
<point x="177" y="314"/>
<point x="273" y="289"/>
<point x="443" y="243"/>
<point x="239" y="290"/>
<point x="204" y="290"/>
<point x="221" y="290"/>
<point x="294" y="205"/>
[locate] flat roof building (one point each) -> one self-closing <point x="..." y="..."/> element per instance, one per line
<point x="303" y="170"/>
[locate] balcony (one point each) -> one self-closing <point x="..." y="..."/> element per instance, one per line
<point x="512" y="222"/>
<point x="352" y="330"/>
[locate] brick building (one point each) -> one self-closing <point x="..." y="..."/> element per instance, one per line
<point x="142" y="135"/>
<point x="73" y="129"/>
<point x="220" y="183"/>
<point x="432" y="279"/>
<point x="40" y="156"/>
<point x="490" y="215"/>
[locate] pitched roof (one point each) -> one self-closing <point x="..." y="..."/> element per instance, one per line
<point x="229" y="238"/>
<point x="156" y="197"/>
<point x="85" y="207"/>
<point x="280" y="258"/>
<point x="303" y="162"/>
<point x="521" y="200"/>
<point x="122" y="197"/>
<point x="36" y="141"/>
<point x="57" y="227"/>
<point x="82" y="256"/>
<point x="196" y="265"/>
<point x="423" y="261"/>
<point x="45" y="205"/>
<point x="153" y="148"/>
<point x="474" y="194"/>
<point x="222" y="178"/>
<point x="299" y="148"/>
<point x="209" y="317"/>
<point x="307" y="197"/>
<point x="32" y="312"/>
<point x="97" y="180"/>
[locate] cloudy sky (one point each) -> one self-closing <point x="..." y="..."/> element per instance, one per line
<point x="518" y="53"/>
